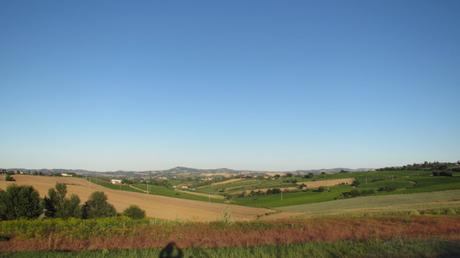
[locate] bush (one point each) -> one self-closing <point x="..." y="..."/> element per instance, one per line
<point x="322" y="189"/>
<point x="356" y="193"/>
<point x="9" y="178"/>
<point x="442" y="173"/>
<point x="98" y="207"/>
<point x="355" y="183"/>
<point x="414" y="213"/>
<point x="387" y="188"/>
<point x="450" y="211"/>
<point x="19" y="202"/>
<point x="134" y="212"/>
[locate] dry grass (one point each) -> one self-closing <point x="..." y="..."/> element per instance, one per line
<point x="251" y="234"/>
<point x="326" y="183"/>
<point x="227" y="181"/>
<point x="155" y="206"/>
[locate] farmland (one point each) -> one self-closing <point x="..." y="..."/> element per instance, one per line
<point x="155" y="206"/>
<point x="401" y="213"/>
<point x="381" y="204"/>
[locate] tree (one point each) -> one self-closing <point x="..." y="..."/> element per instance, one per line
<point x="19" y="202"/>
<point x="98" y="207"/>
<point x="58" y="206"/>
<point x="134" y="212"/>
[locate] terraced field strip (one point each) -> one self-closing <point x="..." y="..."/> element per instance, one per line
<point x="329" y="182"/>
<point x="155" y="206"/>
<point x="385" y="203"/>
<point x="212" y="196"/>
<point x="227" y="181"/>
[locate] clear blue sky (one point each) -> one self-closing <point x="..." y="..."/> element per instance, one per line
<point x="274" y="85"/>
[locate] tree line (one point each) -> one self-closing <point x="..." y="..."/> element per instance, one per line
<point x="18" y="202"/>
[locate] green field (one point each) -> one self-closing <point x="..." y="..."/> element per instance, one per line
<point x="152" y="189"/>
<point x="292" y="198"/>
<point x="389" y="248"/>
<point x="372" y="183"/>
<point x="395" y="202"/>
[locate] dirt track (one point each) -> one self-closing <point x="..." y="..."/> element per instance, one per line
<point x="155" y="206"/>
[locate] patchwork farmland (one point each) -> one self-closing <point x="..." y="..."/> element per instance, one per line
<point x="155" y="206"/>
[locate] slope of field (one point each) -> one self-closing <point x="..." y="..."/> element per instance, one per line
<point x="155" y="206"/>
<point x="396" y="202"/>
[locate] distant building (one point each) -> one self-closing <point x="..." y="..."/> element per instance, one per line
<point x="115" y="181"/>
<point x="65" y="174"/>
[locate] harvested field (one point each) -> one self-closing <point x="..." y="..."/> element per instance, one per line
<point x="155" y="206"/>
<point x="227" y="181"/>
<point x="329" y="182"/>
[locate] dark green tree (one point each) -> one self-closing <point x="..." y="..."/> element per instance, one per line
<point x="58" y="206"/>
<point x="134" y="212"/>
<point x="19" y="202"/>
<point x="98" y="207"/>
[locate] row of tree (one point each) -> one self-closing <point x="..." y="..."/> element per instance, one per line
<point x="427" y="166"/>
<point x="25" y="202"/>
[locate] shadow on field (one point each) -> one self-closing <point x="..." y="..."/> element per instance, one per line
<point x="171" y="250"/>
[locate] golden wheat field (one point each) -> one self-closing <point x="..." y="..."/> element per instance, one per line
<point x="155" y="206"/>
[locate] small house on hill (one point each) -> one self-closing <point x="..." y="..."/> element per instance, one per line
<point x="115" y="181"/>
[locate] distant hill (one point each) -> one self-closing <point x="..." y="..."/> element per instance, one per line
<point x="172" y="171"/>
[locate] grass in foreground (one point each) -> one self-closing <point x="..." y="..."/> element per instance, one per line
<point x="123" y="233"/>
<point x="391" y="248"/>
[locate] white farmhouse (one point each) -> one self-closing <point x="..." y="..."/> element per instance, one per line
<point x="115" y="181"/>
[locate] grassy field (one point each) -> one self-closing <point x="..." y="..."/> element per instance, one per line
<point x="291" y="198"/>
<point x="394" y="202"/>
<point x="165" y="191"/>
<point x="380" y="248"/>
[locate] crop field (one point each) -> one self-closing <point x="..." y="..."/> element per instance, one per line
<point x="369" y="204"/>
<point x="155" y="206"/>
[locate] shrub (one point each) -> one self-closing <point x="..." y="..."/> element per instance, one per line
<point x="355" y="183"/>
<point x="9" y="178"/>
<point x="387" y="188"/>
<point x="414" y="213"/>
<point x="134" y="212"/>
<point x="450" y="211"/>
<point x="98" y="207"/>
<point x="19" y="202"/>
<point x="442" y="173"/>
<point x="322" y="189"/>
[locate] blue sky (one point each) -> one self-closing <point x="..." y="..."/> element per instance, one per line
<point x="273" y="85"/>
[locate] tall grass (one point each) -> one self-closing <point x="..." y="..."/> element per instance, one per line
<point x="392" y="248"/>
<point x="113" y="233"/>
